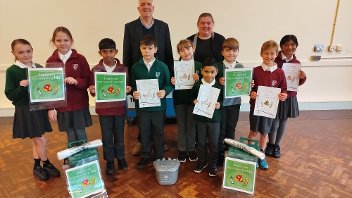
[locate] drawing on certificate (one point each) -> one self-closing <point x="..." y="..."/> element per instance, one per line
<point x="267" y="101"/>
<point x="110" y="87"/>
<point x="237" y="82"/>
<point x="207" y="97"/>
<point x="292" y="71"/>
<point x="148" y="93"/>
<point x="184" y="71"/>
<point x="46" y="84"/>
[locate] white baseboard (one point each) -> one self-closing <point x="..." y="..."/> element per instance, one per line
<point x="303" y="106"/>
<point x="8" y="112"/>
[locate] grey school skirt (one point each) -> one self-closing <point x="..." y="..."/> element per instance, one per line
<point x="30" y="123"/>
<point x="259" y="124"/>
<point x="78" y="119"/>
<point x="288" y="108"/>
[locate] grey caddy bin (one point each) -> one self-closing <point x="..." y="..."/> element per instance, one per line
<point x="166" y="171"/>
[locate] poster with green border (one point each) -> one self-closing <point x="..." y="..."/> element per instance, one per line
<point x="46" y="84"/>
<point x="85" y="180"/>
<point x="110" y="87"/>
<point x="239" y="175"/>
<point x="237" y="82"/>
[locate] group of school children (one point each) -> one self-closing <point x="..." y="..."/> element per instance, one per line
<point x="198" y="139"/>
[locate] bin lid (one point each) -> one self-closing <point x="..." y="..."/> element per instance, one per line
<point x="166" y="165"/>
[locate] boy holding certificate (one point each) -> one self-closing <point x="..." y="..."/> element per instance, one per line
<point x="231" y="106"/>
<point x="150" y="118"/>
<point x="208" y="128"/>
<point x="269" y="75"/>
<point x="111" y="114"/>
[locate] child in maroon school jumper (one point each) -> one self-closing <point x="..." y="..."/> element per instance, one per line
<point x="289" y="107"/>
<point x="111" y="114"/>
<point x="269" y="75"/>
<point x="74" y="117"/>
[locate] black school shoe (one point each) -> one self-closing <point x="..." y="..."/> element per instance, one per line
<point x="110" y="169"/>
<point x="269" y="149"/>
<point x="122" y="164"/>
<point x="200" y="166"/>
<point x="213" y="172"/>
<point x="192" y="156"/>
<point x="50" y="169"/>
<point x="182" y="156"/>
<point x="39" y="172"/>
<point x="276" y="151"/>
<point x="143" y="162"/>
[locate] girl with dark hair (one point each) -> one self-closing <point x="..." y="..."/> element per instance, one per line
<point x="289" y="107"/>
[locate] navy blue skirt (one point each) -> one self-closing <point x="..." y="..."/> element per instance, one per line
<point x="30" y="124"/>
<point x="288" y="108"/>
<point x="78" y="119"/>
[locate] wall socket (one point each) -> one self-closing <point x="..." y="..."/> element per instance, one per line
<point x="338" y="48"/>
<point x="318" y="48"/>
<point x="331" y="48"/>
<point x="335" y="48"/>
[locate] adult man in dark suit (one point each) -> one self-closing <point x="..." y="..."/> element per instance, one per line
<point x="135" y="31"/>
<point x="146" y="25"/>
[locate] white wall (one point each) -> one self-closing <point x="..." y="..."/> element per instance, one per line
<point x="251" y="21"/>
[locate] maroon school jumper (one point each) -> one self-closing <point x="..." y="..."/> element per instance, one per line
<point x="279" y="61"/>
<point x="269" y="79"/>
<point x="110" y="108"/>
<point x="76" y="67"/>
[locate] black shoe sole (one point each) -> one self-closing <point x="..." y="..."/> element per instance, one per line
<point x="122" y="165"/>
<point x="275" y="155"/>
<point x="142" y="166"/>
<point x="193" y="160"/>
<point x="109" y="172"/>
<point x="52" y="175"/>
<point x="41" y="178"/>
<point x="199" y="171"/>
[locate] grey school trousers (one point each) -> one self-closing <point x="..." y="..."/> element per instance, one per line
<point x="186" y="128"/>
<point x="112" y="132"/>
<point x="151" y="126"/>
<point x="208" y="139"/>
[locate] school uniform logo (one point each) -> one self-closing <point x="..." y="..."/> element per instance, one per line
<point x="157" y="74"/>
<point x="274" y="83"/>
<point x="75" y="66"/>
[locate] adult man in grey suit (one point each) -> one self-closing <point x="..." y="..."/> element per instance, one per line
<point x="135" y="31"/>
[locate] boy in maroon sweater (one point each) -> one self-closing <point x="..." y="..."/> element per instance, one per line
<point x="111" y="114"/>
<point x="267" y="74"/>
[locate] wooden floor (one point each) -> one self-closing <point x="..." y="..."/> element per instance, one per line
<point x="316" y="162"/>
